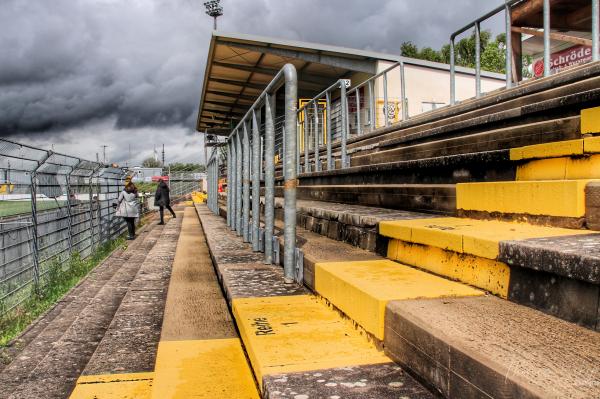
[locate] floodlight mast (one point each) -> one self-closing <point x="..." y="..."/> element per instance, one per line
<point x="214" y="9"/>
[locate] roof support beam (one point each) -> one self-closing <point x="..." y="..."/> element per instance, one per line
<point x="306" y="77"/>
<point x="358" y="65"/>
<point x="231" y="95"/>
<point x="238" y="83"/>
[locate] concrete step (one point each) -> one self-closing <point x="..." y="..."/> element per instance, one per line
<point x="552" y="269"/>
<point x="70" y="339"/>
<point x="558" y="202"/>
<point x="298" y="345"/>
<point x="434" y="198"/>
<point x="487" y="347"/>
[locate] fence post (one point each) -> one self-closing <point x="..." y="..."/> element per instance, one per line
<point x="358" y="124"/>
<point x="269" y="177"/>
<point x="35" y="252"/>
<point x="238" y="185"/>
<point x="306" y="127"/>
<point x="546" y="38"/>
<point x="69" y="210"/>
<point x="509" y="79"/>
<point x="255" y="182"/>
<point x="317" y="134"/>
<point x="330" y="163"/>
<point x="345" y="122"/>
<point x="228" y="183"/>
<point x="403" y="92"/>
<point x="595" y="30"/>
<point x="246" y="182"/>
<point x="453" y="72"/>
<point x="290" y="183"/>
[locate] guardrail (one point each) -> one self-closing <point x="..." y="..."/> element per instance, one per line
<point x="248" y="152"/>
<point x="506" y="7"/>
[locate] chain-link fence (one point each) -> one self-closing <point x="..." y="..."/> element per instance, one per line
<point x="183" y="183"/>
<point x="52" y="206"/>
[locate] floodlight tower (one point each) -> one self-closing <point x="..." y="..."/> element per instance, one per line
<point x="214" y="9"/>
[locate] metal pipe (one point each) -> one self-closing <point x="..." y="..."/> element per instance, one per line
<point x="269" y="177"/>
<point x="345" y="123"/>
<point x="595" y="30"/>
<point x="452" y="74"/>
<point x="330" y="164"/>
<point x="546" y="38"/>
<point x="306" y="160"/>
<point x="385" y="100"/>
<point x="403" y="92"/>
<point x="232" y="184"/>
<point x="255" y="182"/>
<point x="290" y="183"/>
<point x="228" y="183"/>
<point x="358" y="126"/>
<point x="509" y="54"/>
<point x="216" y="167"/>
<point x="317" y="134"/>
<point x="238" y="184"/>
<point x="298" y="166"/>
<point x="478" y="59"/>
<point x="246" y="183"/>
<point x="372" y="122"/>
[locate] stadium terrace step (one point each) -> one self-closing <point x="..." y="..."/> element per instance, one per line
<point x="488" y="347"/>
<point x="72" y="336"/>
<point x="552" y="269"/>
<point x="298" y="346"/>
<point x="559" y="202"/>
<point x="434" y="198"/>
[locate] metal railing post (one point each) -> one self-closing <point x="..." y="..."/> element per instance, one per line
<point x="478" y="59"/>
<point x="238" y="183"/>
<point x="546" y="38"/>
<point x="290" y="183"/>
<point x="269" y="178"/>
<point x="509" y="54"/>
<point x="595" y="30"/>
<point x="403" y="92"/>
<point x="372" y="121"/>
<point x="255" y="183"/>
<point x="232" y="184"/>
<point x="246" y="182"/>
<point x="298" y="139"/>
<point x="345" y="122"/>
<point x="358" y="124"/>
<point x="90" y="185"/>
<point x="69" y="210"/>
<point x="35" y="252"/>
<point x="385" y="100"/>
<point x="317" y="134"/>
<point x="452" y="73"/>
<point x="216" y="186"/>
<point x="330" y="163"/>
<point x="306" y="160"/>
<point x="228" y="183"/>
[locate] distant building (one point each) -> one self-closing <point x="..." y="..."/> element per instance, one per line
<point x="140" y="174"/>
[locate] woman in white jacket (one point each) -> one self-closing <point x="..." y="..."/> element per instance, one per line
<point x="128" y="207"/>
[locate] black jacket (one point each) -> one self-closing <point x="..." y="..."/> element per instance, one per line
<point x="162" y="196"/>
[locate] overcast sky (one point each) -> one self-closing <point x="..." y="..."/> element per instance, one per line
<point x="78" y="74"/>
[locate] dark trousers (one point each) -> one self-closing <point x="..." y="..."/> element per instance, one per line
<point x="162" y="212"/>
<point x="130" y="226"/>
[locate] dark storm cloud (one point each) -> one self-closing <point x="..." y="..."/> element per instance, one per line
<point x="126" y="65"/>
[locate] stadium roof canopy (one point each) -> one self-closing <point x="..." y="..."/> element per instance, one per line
<point x="240" y="66"/>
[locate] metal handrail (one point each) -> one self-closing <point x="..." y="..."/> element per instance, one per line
<point x="244" y="170"/>
<point x="507" y="7"/>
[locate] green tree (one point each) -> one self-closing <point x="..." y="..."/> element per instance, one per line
<point x="186" y="167"/>
<point x="409" y="49"/>
<point x="150" y="162"/>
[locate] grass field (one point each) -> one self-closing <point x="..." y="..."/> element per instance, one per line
<point x="10" y="208"/>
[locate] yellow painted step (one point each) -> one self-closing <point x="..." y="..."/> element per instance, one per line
<point x="591" y="145"/>
<point x="545" y="197"/>
<point x="590" y="120"/>
<point x="299" y="333"/>
<point x="471" y="236"/>
<point x="114" y="386"/>
<point x="487" y="274"/>
<point x="362" y="289"/>
<point x="560" y="168"/>
<point x="548" y="150"/>
<point x="211" y="369"/>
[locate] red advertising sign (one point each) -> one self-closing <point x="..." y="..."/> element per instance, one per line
<point x="155" y="178"/>
<point x="572" y="56"/>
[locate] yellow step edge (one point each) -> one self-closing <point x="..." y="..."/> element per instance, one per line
<point x="587" y="167"/>
<point x="299" y="333"/>
<point x="564" y="198"/>
<point x="471" y="236"/>
<point x="211" y="368"/>
<point x="591" y="145"/>
<point x="114" y="386"/>
<point x="362" y="289"/>
<point x="590" y="120"/>
<point x="487" y="274"/>
<point x="548" y="150"/>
